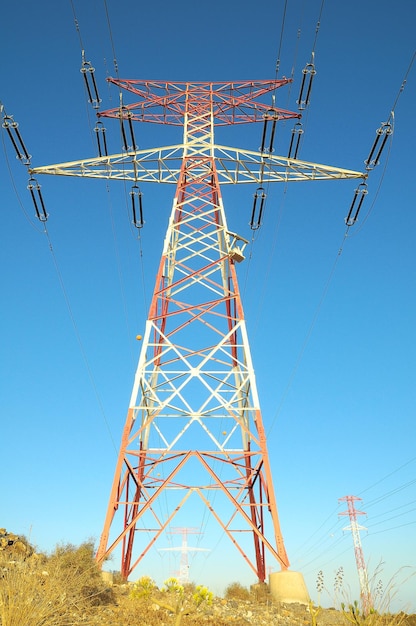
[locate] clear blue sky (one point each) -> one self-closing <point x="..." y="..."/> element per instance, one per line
<point x="335" y="367"/>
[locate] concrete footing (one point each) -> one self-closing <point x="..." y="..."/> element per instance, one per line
<point x="108" y="578"/>
<point x="288" y="587"/>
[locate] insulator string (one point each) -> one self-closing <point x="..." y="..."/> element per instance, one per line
<point x="12" y="129"/>
<point x="37" y="198"/>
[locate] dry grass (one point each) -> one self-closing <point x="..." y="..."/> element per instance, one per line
<point x="66" y="588"/>
<point x="236" y="591"/>
<point x="57" y="590"/>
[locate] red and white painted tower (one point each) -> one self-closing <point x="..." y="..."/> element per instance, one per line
<point x="194" y="431"/>
<point x="355" y="528"/>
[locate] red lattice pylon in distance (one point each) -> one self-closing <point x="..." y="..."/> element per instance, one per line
<point x="194" y="429"/>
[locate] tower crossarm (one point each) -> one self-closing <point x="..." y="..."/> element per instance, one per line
<point x="232" y="102"/>
<point x="233" y="165"/>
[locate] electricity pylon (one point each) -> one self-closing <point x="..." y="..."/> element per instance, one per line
<point x="355" y="528"/>
<point x="184" y="549"/>
<point x="194" y="428"/>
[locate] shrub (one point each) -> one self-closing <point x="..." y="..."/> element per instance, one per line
<point x="236" y="591"/>
<point x="79" y="574"/>
<point x="51" y="591"/>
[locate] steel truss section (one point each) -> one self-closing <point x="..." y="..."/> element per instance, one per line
<point x="163" y="165"/>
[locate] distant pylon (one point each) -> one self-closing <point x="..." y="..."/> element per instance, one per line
<point x="184" y="549"/>
<point x="355" y="528"/>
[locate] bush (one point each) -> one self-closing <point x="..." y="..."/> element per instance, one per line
<point x="51" y="591"/>
<point x="236" y="591"/>
<point x="76" y="568"/>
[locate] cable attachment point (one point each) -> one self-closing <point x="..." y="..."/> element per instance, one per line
<point x="88" y="72"/>
<point x="258" y="206"/>
<point x="101" y="139"/>
<point x="297" y="132"/>
<point x="385" y="129"/>
<point x="136" y="204"/>
<point x="272" y="116"/>
<point x="12" y="129"/>
<point x="37" y="198"/>
<point x="308" y="72"/>
<point x="357" y="201"/>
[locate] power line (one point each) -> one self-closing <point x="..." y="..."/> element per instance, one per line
<point x="111" y="39"/>
<point x="390" y="493"/>
<point x="394" y="527"/>
<point x="308" y="334"/>
<point x="78" y="337"/>
<point x="412" y="460"/>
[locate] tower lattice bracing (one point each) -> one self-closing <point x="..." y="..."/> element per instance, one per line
<point x="194" y="430"/>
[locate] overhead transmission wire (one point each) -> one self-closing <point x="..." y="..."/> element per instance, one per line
<point x="369" y="164"/>
<point x="330" y="517"/>
<point x="134" y="147"/>
<point x="45" y="232"/>
<point x="301" y="106"/>
<point x="263" y="206"/>
<point x="370" y="532"/>
<point x="99" y="130"/>
<point x="116" y="69"/>
<point x="254" y="232"/>
<point x="370" y="525"/>
<point x="393" y="510"/>
<point x="393" y="517"/>
<point x="390" y="493"/>
<point x="383" y="497"/>
<point x="78" y="336"/>
<point x="19" y="199"/>
<point x="391" y="118"/>
<point x="387" y="128"/>
<point x="412" y="460"/>
<point x="94" y="99"/>
<point x="118" y="261"/>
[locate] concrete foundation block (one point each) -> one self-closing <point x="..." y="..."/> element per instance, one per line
<point x="286" y="586"/>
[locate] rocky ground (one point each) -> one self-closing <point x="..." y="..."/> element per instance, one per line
<point x="225" y="612"/>
<point x="66" y="588"/>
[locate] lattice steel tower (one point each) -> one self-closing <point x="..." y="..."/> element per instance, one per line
<point x="194" y="427"/>
<point x="355" y="529"/>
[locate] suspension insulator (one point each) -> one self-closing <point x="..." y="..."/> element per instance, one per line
<point x="88" y="73"/>
<point x="101" y="139"/>
<point x="133" y="141"/>
<point x="297" y="132"/>
<point x="137" y="206"/>
<point x="386" y="130"/>
<point x="126" y="114"/>
<point x="123" y="133"/>
<point x="306" y="86"/>
<point x="37" y="198"/>
<point x="356" y="204"/>
<point x="12" y="129"/>
<point x="271" y="117"/>
<point x="258" y="206"/>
